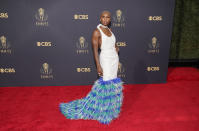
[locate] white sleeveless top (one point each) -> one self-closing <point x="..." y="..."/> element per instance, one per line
<point x="108" y="43"/>
<point x="108" y="56"/>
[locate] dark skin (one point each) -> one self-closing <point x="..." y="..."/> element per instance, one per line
<point x="105" y="19"/>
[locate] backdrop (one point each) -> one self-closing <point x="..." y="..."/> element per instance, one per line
<point x="48" y="42"/>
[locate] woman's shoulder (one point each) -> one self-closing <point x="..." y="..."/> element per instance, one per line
<point x="96" y="32"/>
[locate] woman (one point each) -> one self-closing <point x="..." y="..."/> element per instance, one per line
<point x="103" y="102"/>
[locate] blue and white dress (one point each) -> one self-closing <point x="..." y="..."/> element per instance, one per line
<point x="104" y="101"/>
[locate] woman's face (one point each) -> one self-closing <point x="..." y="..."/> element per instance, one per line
<point x="105" y="18"/>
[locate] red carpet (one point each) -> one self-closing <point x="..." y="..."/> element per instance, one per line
<point x="173" y="106"/>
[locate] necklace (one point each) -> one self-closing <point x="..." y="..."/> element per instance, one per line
<point x="104" y="26"/>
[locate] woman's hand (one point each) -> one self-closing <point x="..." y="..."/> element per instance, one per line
<point x="117" y="48"/>
<point x="99" y="71"/>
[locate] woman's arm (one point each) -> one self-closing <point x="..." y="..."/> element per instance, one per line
<point x="117" y="48"/>
<point x="95" y="46"/>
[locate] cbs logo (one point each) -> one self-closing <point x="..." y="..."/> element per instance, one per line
<point x="44" y="44"/>
<point x="3" y="15"/>
<point x="155" y="18"/>
<point x="7" y="70"/>
<point x="83" y="69"/>
<point x="121" y="44"/>
<point x="153" y="68"/>
<point x="81" y="17"/>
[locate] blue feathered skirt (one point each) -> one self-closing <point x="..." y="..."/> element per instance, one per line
<point x="102" y="103"/>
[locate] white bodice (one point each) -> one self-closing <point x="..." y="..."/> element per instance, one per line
<point x="108" y="43"/>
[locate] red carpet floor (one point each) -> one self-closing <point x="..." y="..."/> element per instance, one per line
<point x="173" y="106"/>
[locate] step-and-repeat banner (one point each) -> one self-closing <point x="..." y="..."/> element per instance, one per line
<point x="48" y="42"/>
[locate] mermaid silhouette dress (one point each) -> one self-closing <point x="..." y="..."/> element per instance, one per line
<point x="103" y="103"/>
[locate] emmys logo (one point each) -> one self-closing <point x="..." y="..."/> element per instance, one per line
<point x="155" y="18"/>
<point x="80" y="17"/>
<point x="153" y="68"/>
<point x="121" y="70"/>
<point x="82" y="46"/>
<point x="41" y="17"/>
<point x="122" y="44"/>
<point x="7" y="70"/>
<point x="4" y="45"/>
<point x="153" y="46"/>
<point x="46" y="71"/>
<point x="4" y="15"/>
<point x="118" y="19"/>
<point x="84" y="69"/>
<point x="44" y="43"/>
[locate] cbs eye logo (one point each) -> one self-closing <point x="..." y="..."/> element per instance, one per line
<point x="155" y="18"/>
